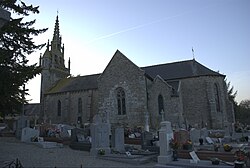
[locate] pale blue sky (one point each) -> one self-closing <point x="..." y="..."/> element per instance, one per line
<point x="150" y="32"/>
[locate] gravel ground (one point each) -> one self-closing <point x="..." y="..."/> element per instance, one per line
<point x="31" y="155"/>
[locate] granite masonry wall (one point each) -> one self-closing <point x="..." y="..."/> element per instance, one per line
<point x="122" y="73"/>
<point x="172" y="104"/>
<point x="199" y="104"/>
<point x="69" y="106"/>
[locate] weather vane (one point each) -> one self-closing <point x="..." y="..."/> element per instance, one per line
<point x="193" y="52"/>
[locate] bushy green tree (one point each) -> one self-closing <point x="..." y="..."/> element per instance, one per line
<point x="242" y="113"/>
<point x="16" y="43"/>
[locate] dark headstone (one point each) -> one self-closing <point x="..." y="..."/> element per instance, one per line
<point x="147" y="138"/>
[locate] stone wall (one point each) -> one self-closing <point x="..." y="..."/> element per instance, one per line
<point x="172" y="104"/>
<point x="199" y="106"/>
<point x="69" y="106"/>
<point x="122" y="73"/>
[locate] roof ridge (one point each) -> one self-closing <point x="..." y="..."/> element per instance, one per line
<point x="81" y="76"/>
<point x="177" y="62"/>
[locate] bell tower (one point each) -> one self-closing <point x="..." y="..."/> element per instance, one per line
<point x="52" y="62"/>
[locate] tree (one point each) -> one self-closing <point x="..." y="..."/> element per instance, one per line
<point x="243" y="112"/>
<point x="16" y="42"/>
<point x="245" y="104"/>
<point x="230" y="92"/>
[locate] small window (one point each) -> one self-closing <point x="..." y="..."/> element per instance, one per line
<point x="79" y="105"/>
<point x="59" y="108"/>
<point x="160" y="104"/>
<point x="121" y="101"/>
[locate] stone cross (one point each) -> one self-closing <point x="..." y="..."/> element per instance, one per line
<point x="162" y="116"/>
<point x="146" y="127"/>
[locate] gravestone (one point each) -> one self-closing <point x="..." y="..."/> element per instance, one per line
<point x="228" y="129"/>
<point x="99" y="132"/>
<point x="165" y="135"/>
<point x="21" y="123"/>
<point x="204" y="133"/>
<point x="80" y="139"/>
<point x="182" y="136"/>
<point x="75" y="133"/>
<point x="195" y="158"/>
<point x="118" y="139"/>
<point x="195" y="135"/>
<point x="209" y="140"/>
<point x="28" y="133"/>
<point x="147" y="138"/>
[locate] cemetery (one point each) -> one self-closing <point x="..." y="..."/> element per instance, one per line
<point x="180" y="147"/>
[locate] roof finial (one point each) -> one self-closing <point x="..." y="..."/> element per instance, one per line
<point x="193" y="53"/>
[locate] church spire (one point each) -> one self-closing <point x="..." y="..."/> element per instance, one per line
<point x="56" y="37"/>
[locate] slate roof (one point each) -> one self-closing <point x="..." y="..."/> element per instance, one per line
<point x="169" y="72"/>
<point x="179" y="70"/>
<point x="78" y="83"/>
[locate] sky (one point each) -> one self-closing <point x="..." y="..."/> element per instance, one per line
<point x="149" y="32"/>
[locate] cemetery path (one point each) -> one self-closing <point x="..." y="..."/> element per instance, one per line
<point x="31" y="155"/>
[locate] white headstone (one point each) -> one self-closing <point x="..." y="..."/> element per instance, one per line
<point x="28" y="133"/>
<point x="99" y="138"/>
<point x="165" y="135"/>
<point x="209" y="140"/>
<point x="194" y="156"/>
<point x="119" y="139"/>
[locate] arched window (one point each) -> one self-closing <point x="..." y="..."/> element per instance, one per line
<point x="79" y="105"/>
<point x="160" y="104"/>
<point x="217" y="97"/>
<point x="121" y="101"/>
<point x="59" y="108"/>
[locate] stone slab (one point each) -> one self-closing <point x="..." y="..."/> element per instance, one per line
<point x="185" y="163"/>
<point x="48" y="145"/>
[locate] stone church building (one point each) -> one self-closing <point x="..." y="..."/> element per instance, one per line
<point x="186" y="93"/>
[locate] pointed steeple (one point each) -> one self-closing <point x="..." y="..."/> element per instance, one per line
<point x="56" y="35"/>
<point x="56" y="41"/>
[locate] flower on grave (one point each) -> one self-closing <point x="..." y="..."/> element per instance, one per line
<point x="227" y="147"/>
<point x="101" y="152"/>
<point x="240" y="155"/>
<point x="188" y="142"/>
<point x="174" y="144"/>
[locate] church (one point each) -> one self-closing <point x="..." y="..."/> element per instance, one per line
<point x="186" y="93"/>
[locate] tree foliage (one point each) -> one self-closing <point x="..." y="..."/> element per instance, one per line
<point x="245" y="104"/>
<point x="16" y="43"/>
<point x="242" y="113"/>
<point x="231" y="93"/>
